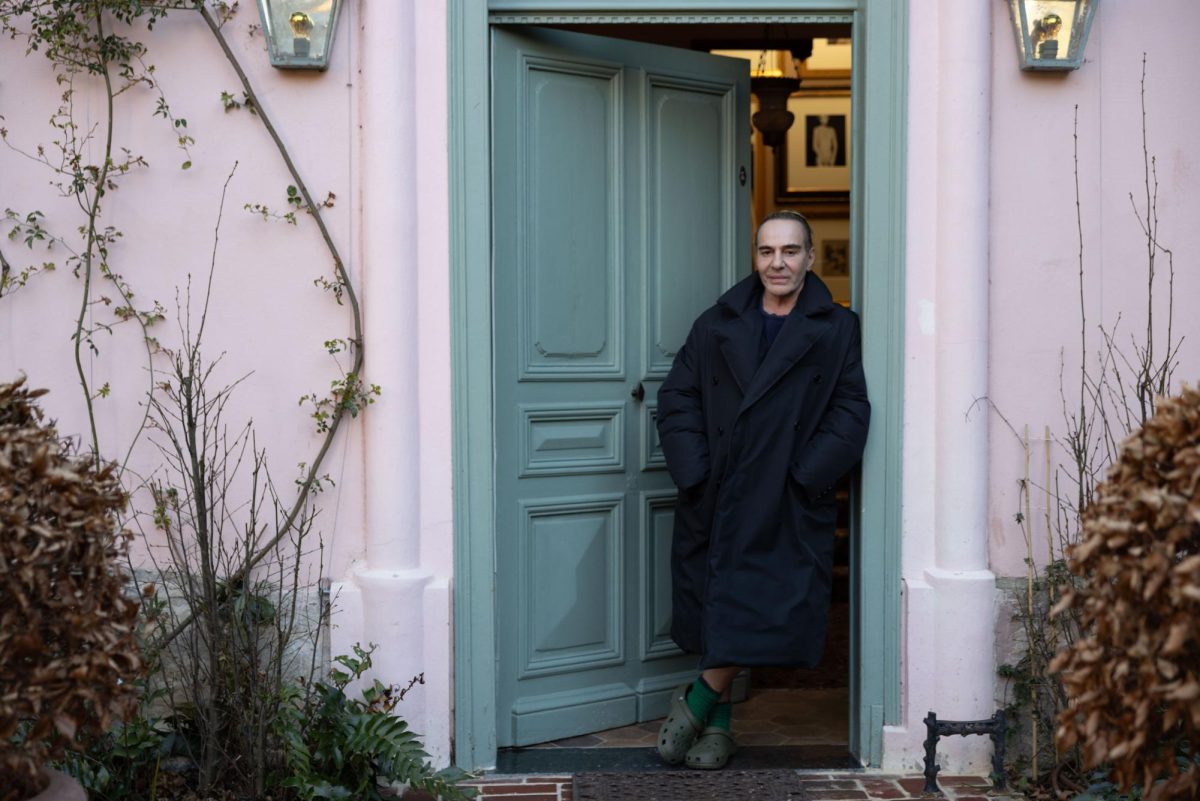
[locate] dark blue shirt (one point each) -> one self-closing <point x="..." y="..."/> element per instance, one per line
<point x="772" y="324"/>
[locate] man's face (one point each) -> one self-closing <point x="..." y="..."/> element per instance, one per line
<point x="782" y="258"/>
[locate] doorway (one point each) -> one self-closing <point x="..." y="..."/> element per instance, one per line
<point x="477" y="490"/>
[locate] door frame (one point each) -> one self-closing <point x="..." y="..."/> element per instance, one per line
<point x="880" y="110"/>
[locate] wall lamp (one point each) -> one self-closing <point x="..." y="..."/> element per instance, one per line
<point x="1051" y="34"/>
<point x="299" y="32"/>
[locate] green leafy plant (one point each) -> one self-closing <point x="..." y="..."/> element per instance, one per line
<point x="124" y="763"/>
<point x="346" y="395"/>
<point x="341" y="747"/>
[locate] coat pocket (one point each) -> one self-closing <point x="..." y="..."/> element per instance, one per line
<point x="813" y="522"/>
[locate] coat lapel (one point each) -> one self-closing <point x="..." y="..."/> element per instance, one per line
<point x="738" y="340"/>
<point x="737" y="335"/>
<point x="806" y="324"/>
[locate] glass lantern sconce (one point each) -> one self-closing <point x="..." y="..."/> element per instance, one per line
<point x="299" y="32"/>
<point x="1051" y="34"/>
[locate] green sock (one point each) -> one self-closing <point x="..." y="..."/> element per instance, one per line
<point x="701" y="699"/>
<point x="722" y="716"/>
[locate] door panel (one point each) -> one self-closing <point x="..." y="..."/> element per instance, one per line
<point x="618" y="218"/>
<point x="571" y="267"/>
<point x="572" y="609"/>
<point x="562" y="439"/>
<point x="657" y="522"/>
<point x="686" y="127"/>
<point x="651" y="448"/>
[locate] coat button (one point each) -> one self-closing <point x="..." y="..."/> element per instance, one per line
<point x="716" y="380"/>
<point x="797" y="426"/>
<point x="720" y="430"/>
<point x="817" y="378"/>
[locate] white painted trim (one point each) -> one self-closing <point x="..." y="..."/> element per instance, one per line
<point x="396" y="596"/>
<point x="948" y="654"/>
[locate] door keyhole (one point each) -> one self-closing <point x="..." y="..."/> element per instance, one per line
<point x="639" y="393"/>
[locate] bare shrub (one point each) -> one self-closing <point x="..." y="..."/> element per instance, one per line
<point x="238" y="622"/>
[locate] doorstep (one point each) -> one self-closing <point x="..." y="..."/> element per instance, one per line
<point x="857" y="785"/>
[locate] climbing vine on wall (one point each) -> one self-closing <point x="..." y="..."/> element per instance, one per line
<point x="99" y="40"/>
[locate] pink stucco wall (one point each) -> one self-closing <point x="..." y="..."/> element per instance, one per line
<point x="1015" y="231"/>
<point x="372" y="131"/>
<point x="1035" y="301"/>
<point x="266" y="320"/>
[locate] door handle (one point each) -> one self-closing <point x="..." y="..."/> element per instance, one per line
<point x="639" y="393"/>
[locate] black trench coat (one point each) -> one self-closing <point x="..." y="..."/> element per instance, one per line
<point x="755" y="451"/>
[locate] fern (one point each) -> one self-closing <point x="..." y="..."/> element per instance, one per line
<point x="339" y="747"/>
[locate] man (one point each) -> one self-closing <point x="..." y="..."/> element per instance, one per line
<point x="764" y="409"/>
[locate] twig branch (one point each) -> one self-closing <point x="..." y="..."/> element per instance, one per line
<point x="340" y="410"/>
<point x="1084" y="429"/>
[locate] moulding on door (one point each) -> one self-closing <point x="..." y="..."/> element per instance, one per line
<point x="536" y="18"/>
<point x="680" y="7"/>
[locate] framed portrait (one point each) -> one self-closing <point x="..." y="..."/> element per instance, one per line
<point x="834" y="258"/>
<point x="813" y="166"/>
<point x="831" y="244"/>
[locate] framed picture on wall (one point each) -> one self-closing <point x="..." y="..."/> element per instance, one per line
<point x="831" y="243"/>
<point x="833" y="258"/>
<point x="813" y="165"/>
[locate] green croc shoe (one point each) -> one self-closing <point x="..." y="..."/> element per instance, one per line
<point x="711" y="750"/>
<point x="679" y="730"/>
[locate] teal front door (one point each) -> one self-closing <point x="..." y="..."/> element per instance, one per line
<point x="621" y="211"/>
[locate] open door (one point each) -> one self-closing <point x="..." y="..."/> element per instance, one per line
<point x="621" y="210"/>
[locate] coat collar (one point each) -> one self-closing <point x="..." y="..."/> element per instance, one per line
<point x="740" y="329"/>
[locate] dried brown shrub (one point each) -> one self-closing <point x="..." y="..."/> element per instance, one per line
<point x="67" y="649"/>
<point x="1134" y="678"/>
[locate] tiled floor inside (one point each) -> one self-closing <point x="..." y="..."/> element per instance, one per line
<point x="768" y="717"/>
